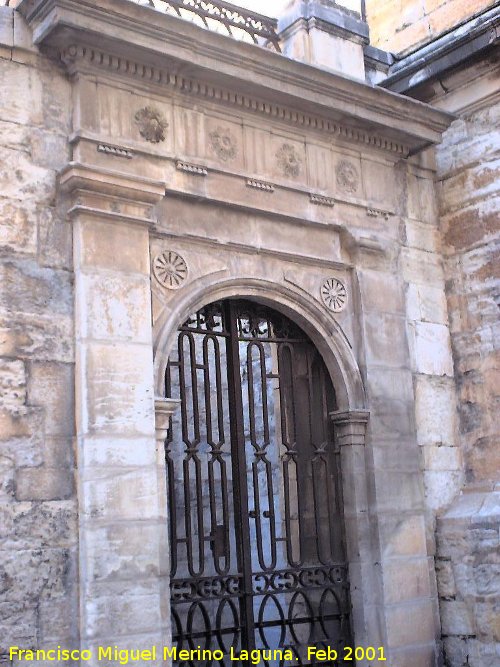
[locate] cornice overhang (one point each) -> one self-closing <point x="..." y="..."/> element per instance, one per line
<point x="181" y="52"/>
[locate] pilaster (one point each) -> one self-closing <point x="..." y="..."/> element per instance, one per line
<point x="123" y="553"/>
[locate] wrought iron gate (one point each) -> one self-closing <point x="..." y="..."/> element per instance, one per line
<point x="257" y="556"/>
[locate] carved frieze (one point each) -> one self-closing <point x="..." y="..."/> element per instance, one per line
<point x="223" y="144"/>
<point x="347" y="176"/>
<point x="170" y="269"/>
<point x="151" y="123"/>
<point x="288" y="160"/>
<point x="334" y="295"/>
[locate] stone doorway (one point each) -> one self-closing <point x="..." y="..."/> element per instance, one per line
<point x="254" y="493"/>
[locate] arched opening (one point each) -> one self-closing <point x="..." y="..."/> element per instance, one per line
<point x="254" y="489"/>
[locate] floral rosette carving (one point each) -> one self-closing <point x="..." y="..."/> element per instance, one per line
<point x="223" y="144"/>
<point x="334" y="295"/>
<point x="152" y="125"/>
<point x="347" y="176"/>
<point x="289" y="161"/>
<point x="170" y="269"/>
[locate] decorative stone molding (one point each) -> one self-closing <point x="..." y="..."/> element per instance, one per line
<point x="223" y="144"/>
<point x="195" y="169"/>
<point x="321" y="200"/>
<point x="378" y="213"/>
<point x="288" y="160"/>
<point x="350" y="426"/>
<point x="260" y="185"/>
<point x="170" y="269"/>
<point x="347" y="176"/>
<point x="334" y="295"/>
<point x="115" y="150"/>
<point x="152" y="125"/>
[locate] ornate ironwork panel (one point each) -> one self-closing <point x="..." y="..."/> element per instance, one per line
<point x="221" y="16"/>
<point x="256" y="529"/>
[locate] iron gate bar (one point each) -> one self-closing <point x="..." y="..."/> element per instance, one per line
<point x="239" y="473"/>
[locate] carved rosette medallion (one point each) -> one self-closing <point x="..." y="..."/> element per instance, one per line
<point x="223" y="144"/>
<point x="170" y="269"/>
<point x="152" y="125"/>
<point x="334" y="295"/>
<point x="289" y="161"/>
<point x="347" y="176"/>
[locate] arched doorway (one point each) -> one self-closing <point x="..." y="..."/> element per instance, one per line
<point x="255" y="500"/>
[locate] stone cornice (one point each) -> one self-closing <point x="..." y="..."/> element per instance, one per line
<point x="127" y="39"/>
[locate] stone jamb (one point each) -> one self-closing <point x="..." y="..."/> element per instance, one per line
<point x="350" y="428"/>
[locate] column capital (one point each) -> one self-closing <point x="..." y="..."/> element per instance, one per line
<point x="350" y="426"/>
<point x="164" y="409"/>
<point x="110" y="195"/>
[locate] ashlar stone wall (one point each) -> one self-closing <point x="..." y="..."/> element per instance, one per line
<point x="402" y="26"/>
<point x="38" y="519"/>
<point x="468" y="562"/>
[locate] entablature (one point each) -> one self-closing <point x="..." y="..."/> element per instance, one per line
<point x="123" y="39"/>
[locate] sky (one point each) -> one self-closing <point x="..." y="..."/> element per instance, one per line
<point x="266" y="7"/>
<point x="275" y="7"/>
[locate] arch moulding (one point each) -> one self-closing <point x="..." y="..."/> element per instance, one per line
<point x="320" y="326"/>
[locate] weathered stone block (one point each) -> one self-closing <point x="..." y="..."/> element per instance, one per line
<point x="439" y="458"/>
<point x="445" y="578"/>
<point x="119" y="381"/>
<point x="410" y="623"/>
<point x="435" y="411"/>
<point x="116" y="307"/>
<point x="12" y="386"/>
<point x="403" y="490"/>
<point x="58" y="619"/>
<point x="44" y="483"/>
<point x="130" y="551"/>
<point x="386" y="341"/>
<point x="18" y="228"/>
<point x="426" y="303"/>
<point x="403" y="535"/>
<point x="456" y="618"/>
<point x="117" y="452"/>
<point x="422" y="267"/>
<point x="111" y="611"/>
<point x="379" y="292"/>
<point x="427" y="655"/>
<point x="25" y="525"/>
<point x="125" y="495"/>
<point x="55" y="239"/>
<point x="7" y="484"/>
<point x="22" y="94"/>
<point x="27" y="288"/>
<point x="430" y="348"/>
<point x="405" y="579"/>
<point x="19" y="623"/>
<point x="116" y="247"/>
<point x="51" y="386"/>
<point x="36" y="573"/>
<point x="442" y="486"/>
<point x="36" y="336"/>
<point x="391" y="383"/>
